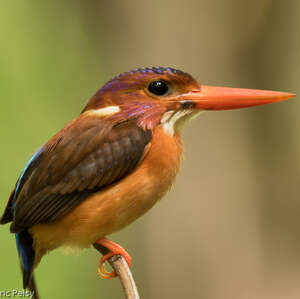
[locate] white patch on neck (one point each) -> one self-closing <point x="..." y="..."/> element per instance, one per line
<point x="107" y="111"/>
<point x="173" y="121"/>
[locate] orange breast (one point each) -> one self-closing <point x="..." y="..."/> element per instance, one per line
<point x="117" y="205"/>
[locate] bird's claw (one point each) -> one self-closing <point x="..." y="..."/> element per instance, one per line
<point x="115" y="249"/>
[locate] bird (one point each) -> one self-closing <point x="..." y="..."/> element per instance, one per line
<point x="112" y="163"/>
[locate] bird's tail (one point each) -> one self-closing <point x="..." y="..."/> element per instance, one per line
<point x="27" y="254"/>
<point x="33" y="288"/>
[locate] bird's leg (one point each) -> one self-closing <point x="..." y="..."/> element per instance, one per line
<point x="114" y="249"/>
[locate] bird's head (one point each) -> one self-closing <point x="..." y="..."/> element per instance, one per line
<point x="157" y="95"/>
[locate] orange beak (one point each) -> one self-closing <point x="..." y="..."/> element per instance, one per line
<point x="224" y="98"/>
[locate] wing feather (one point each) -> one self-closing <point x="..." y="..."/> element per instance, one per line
<point x="81" y="159"/>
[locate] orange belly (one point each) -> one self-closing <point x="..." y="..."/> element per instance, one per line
<point x="119" y="204"/>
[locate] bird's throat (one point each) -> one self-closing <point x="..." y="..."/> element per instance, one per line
<point x="173" y="121"/>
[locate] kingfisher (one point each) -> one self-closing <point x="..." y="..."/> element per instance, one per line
<point x="112" y="163"/>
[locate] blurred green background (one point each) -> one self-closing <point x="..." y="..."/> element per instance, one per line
<point x="230" y="226"/>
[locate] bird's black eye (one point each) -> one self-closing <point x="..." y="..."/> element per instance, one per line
<point x="158" y="87"/>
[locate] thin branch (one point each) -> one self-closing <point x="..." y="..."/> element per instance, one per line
<point x="120" y="266"/>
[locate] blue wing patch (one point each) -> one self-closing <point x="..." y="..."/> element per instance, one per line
<point x="23" y="239"/>
<point x="9" y="211"/>
<point x="24" y="175"/>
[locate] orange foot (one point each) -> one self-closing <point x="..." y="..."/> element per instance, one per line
<point x="115" y="249"/>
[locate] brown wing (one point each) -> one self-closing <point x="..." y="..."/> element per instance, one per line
<point x="81" y="159"/>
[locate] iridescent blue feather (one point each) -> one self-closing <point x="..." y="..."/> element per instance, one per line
<point x="156" y="69"/>
<point x="24" y="239"/>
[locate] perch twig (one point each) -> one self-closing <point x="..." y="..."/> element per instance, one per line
<point x="120" y="266"/>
